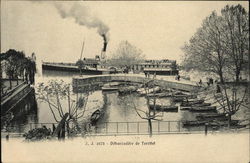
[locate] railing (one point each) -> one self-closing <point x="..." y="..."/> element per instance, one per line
<point x="15" y="99"/>
<point x="8" y="91"/>
<point x="130" y="128"/>
<point x="158" y="127"/>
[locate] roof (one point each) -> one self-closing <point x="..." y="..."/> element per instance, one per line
<point x="90" y="61"/>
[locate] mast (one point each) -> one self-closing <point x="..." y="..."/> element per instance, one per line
<point x="83" y="43"/>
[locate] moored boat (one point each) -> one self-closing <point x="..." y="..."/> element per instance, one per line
<point x="160" y="95"/>
<point x="95" y="116"/>
<point x="203" y="109"/>
<point x="209" y="123"/>
<point x="142" y="91"/>
<point x="178" y="99"/>
<point x="211" y="116"/>
<point x="164" y="108"/>
<point x="194" y="123"/>
<point x="126" y="90"/>
<point x="214" y="123"/>
<point x="109" y="88"/>
<point x="192" y="102"/>
<point x="202" y="104"/>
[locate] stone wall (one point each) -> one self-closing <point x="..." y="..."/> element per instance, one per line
<point x="98" y="80"/>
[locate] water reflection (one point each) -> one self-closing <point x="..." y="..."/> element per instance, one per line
<point x="120" y="109"/>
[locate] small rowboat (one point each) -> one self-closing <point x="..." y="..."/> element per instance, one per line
<point x="210" y="123"/>
<point x="202" y="104"/>
<point x="142" y="91"/>
<point x="224" y="123"/>
<point x="211" y="116"/>
<point x="194" y="123"/>
<point x="126" y="90"/>
<point x="95" y="116"/>
<point x="203" y="109"/>
<point x="160" y="95"/>
<point x="195" y="105"/>
<point x="185" y="96"/>
<point x="178" y="99"/>
<point x="193" y="102"/>
<point x="164" y="108"/>
<point x="109" y="89"/>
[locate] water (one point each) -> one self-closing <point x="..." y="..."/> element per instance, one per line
<point x="117" y="108"/>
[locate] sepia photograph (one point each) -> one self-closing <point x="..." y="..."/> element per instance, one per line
<point x="125" y="81"/>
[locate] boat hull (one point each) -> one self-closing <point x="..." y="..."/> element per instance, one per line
<point x="71" y="69"/>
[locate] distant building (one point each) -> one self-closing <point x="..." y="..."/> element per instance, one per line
<point x="161" y="67"/>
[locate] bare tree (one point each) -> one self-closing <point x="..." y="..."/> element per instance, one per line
<point x="221" y="44"/>
<point x="126" y="55"/>
<point x="205" y="50"/>
<point x="236" y="36"/>
<point x="54" y="94"/>
<point x="233" y="98"/>
<point x="150" y="114"/>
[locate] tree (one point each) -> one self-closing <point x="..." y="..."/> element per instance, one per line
<point x="236" y="33"/>
<point x="17" y="64"/>
<point x="221" y="44"/>
<point x="231" y="98"/>
<point x="150" y="114"/>
<point x="126" y="55"/>
<point x="13" y="66"/>
<point x="205" y="49"/>
<point x="54" y="93"/>
<point x="28" y="68"/>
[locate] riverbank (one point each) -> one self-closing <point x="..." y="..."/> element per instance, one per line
<point x="217" y="147"/>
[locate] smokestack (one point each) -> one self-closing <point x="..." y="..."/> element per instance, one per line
<point x="105" y="43"/>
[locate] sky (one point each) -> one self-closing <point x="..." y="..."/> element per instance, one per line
<point x="158" y="28"/>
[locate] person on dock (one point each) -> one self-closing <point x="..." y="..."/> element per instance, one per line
<point x="218" y="90"/>
<point x="155" y="75"/>
<point x="178" y="77"/>
<point x="200" y="82"/>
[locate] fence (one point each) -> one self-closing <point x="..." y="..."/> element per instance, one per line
<point x="129" y="128"/>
